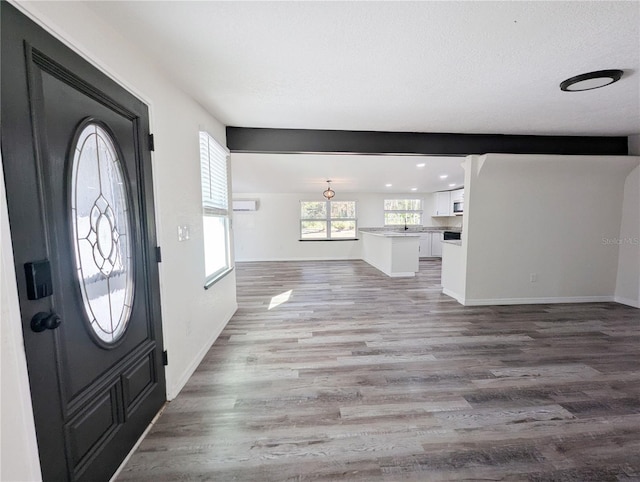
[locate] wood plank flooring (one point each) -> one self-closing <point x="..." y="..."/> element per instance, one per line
<point x="333" y="371"/>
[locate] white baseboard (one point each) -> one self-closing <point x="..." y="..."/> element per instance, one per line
<point x="536" y="301"/>
<point x="172" y="392"/>
<point x="265" y="260"/>
<point x="454" y="295"/>
<point x="401" y="274"/>
<point x="627" y="301"/>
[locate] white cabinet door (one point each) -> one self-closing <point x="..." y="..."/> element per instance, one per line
<point x="443" y="204"/>
<point x="436" y="245"/>
<point x="431" y="245"/>
<point x="457" y="195"/>
<point x="425" y="245"/>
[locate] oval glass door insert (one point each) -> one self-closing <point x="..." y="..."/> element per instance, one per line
<point x="101" y="232"/>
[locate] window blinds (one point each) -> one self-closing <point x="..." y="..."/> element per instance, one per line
<point x="213" y="172"/>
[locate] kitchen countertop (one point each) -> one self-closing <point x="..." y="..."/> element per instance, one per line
<point x="411" y="230"/>
<point x="455" y="242"/>
<point x="392" y="234"/>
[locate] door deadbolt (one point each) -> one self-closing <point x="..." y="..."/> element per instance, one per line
<point x="45" y="321"/>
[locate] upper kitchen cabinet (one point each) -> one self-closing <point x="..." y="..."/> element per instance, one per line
<point x="457" y="195"/>
<point x="443" y="204"/>
<point x="457" y="202"/>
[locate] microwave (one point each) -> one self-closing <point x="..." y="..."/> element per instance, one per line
<point x="458" y="207"/>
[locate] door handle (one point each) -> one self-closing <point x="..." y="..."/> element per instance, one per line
<point x="45" y="321"/>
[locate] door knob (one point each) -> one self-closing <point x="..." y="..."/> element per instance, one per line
<point x="45" y="321"/>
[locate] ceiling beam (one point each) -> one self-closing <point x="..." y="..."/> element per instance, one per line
<point x="251" y="139"/>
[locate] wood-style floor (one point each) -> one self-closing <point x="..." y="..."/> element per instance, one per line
<point x="333" y="371"/>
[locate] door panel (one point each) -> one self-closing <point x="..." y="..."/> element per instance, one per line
<point x="73" y="349"/>
<point x="92" y="426"/>
<point x="92" y="395"/>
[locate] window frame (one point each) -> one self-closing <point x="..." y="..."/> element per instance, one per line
<point x="419" y="212"/>
<point x="328" y="219"/>
<point x="214" y="164"/>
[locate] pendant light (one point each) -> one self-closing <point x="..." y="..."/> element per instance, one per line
<point x="329" y="193"/>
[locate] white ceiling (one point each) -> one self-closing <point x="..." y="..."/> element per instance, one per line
<point x="430" y="66"/>
<point x="468" y="67"/>
<point x="294" y="173"/>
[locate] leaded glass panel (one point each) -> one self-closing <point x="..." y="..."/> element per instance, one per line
<point x="101" y="233"/>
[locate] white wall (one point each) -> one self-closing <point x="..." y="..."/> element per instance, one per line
<point x="273" y="231"/>
<point x="453" y="276"/>
<point x="634" y="145"/>
<point x="192" y="317"/>
<point x="561" y="211"/>
<point x="628" y="278"/>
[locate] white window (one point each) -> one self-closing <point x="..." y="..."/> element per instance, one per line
<point x="215" y="207"/>
<point x="328" y="220"/>
<point x="403" y="212"/>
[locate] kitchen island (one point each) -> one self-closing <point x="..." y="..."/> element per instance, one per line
<point x="394" y="253"/>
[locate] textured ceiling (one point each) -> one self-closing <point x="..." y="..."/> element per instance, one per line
<point x="468" y="67"/>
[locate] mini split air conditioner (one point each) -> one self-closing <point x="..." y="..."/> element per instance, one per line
<point x="245" y="205"/>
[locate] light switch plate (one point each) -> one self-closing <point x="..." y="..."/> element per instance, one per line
<point x="183" y="232"/>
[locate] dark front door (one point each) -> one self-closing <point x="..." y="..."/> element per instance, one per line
<point x="78" y="176"/>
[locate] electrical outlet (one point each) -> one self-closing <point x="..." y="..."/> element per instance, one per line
<point x="533" y="277"/>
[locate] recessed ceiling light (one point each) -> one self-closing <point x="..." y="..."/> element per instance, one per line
<point x="422" y="164"/>
<point x="414" y="188"/>
<point x="591" y="80"/>
<point x="388" y="185"/>
<point x="452" y="184"/>
<point x="444" y="176"/>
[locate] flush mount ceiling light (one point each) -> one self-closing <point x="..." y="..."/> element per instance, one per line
<point x="591" y="80"/>
<point x="329" y="193"/>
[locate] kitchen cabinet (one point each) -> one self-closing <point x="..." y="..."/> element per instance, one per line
<point x="425" y="245"/>
<point x="436" y="245"/>
<point x="395" y="254"/>
<point x="431" y="245"/>
<point x="443" y="204"/>
<point x="457" y="195"/>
